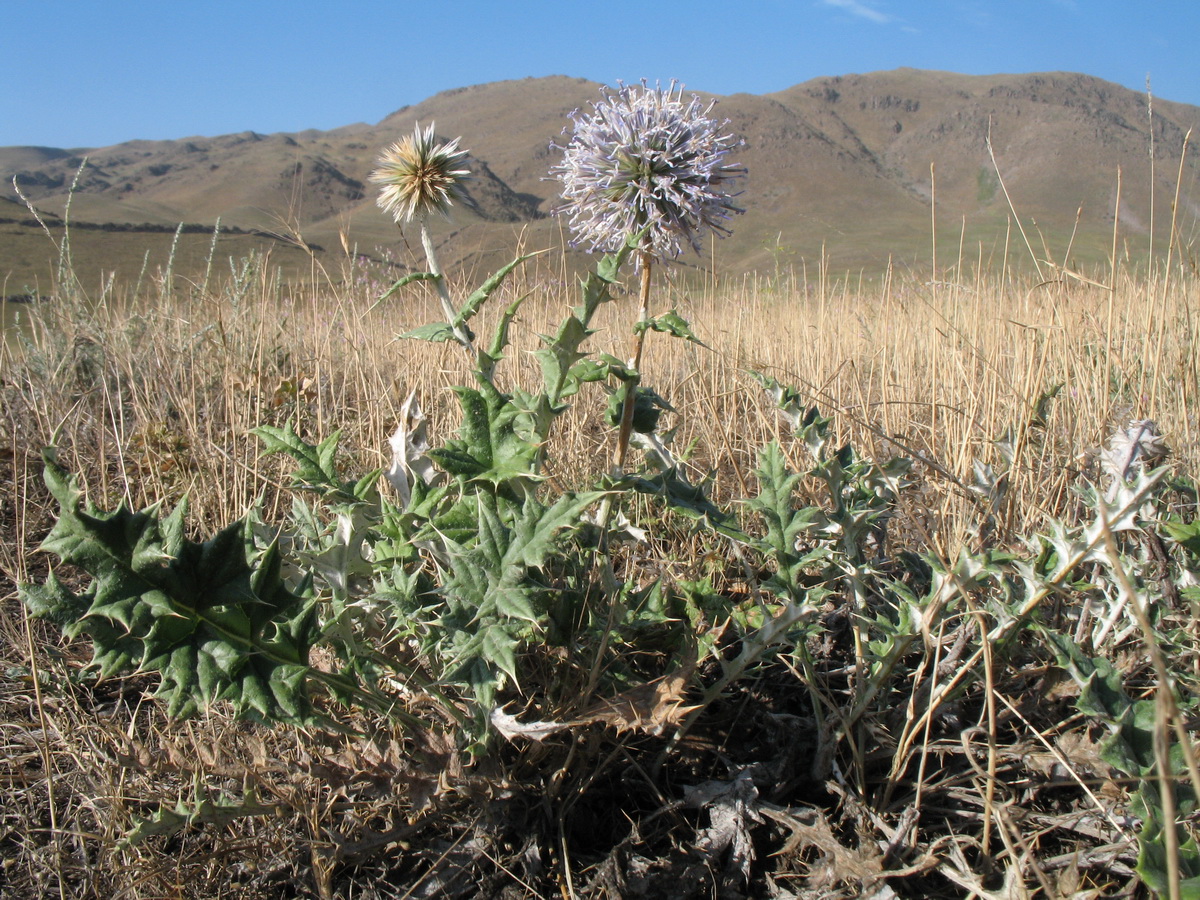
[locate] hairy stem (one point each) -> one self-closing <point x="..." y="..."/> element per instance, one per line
<point x="631" y="386"/>
<point x="460" y="333"/>
<point x="609" y="579"/>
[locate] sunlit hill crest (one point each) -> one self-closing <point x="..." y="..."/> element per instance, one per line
<point x="851" y="164"/>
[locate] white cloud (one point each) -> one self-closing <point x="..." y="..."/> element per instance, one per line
<point x="861" y="10"/>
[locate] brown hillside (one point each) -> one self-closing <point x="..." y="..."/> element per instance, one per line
<point x="842" y="162"/>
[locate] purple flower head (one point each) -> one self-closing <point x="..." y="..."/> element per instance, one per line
<point x="645" y="158"/>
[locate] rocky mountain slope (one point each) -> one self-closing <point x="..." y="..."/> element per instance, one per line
<point x="859" y="164"/>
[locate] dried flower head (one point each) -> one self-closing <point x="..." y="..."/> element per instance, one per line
<point x="645" y="157"/>
<point x="419" y="176"/>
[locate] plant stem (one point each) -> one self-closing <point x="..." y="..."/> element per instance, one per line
<point x="460" y="333"/>
<point x="611" y="588"/>
<point x="631" y="386"/>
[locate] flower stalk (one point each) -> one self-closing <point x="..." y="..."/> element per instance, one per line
<point x="625" y="433"/>
<point x="461" y="334"/>
<point x="418" y="177"/>
<point x="644" y="162"/>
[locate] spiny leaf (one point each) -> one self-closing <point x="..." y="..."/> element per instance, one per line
<point x="1186" y="534"/>
<point x="785" y="522"/>
<point x="669" y="323"/>
<point x="499" y="647"/>
<point x="406" y="280"/>
<point x="434" y="332"/>
<point x="316" y="461"/>
<point x="537" y="529"/>
<point x="489" y="447"/>
<point x="491" y="597"/>
<point x="559" y="355"/>
<point x="513" y="602"/>
<point x="787" y="399"/>
<point x="688" y="499"/>
<point x="609" y="267"/>
<point x="1040" y="414"/>
<point x="169" y="821"/>
<point x="213" y="625"/>
<point x="481" y="294"/>
<point x="54" y="601"/>
<point x="500" y="336"/>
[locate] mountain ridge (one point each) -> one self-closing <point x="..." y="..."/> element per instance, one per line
<point x="856" y="166"/>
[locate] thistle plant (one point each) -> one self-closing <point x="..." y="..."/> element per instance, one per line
<point x="646" y="166"/>
<point x="419" y="177"/>
<point x="463" y="595"/>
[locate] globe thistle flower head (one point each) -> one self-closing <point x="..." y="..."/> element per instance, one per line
<point x="645" y="158"/>
<point x="419" y="176"/>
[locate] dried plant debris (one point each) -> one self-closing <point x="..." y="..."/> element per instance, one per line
<point x="650" y="708"/>
<point x="731" y="807"/>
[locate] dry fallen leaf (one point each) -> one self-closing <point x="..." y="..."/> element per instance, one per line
<point x="729" y="805"/>
<point x="650" y="708"/>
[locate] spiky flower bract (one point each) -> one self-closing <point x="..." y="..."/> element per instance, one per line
<point x="419" y="176"/>
<point x="645" y="158"/>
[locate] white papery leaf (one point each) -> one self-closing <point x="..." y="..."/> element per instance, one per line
<point x="510" y="727"/>
<point x="410" y="446"/>
<point x="1136" y="446"/>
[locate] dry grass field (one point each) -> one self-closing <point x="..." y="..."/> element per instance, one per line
<point x="971" y="767"/>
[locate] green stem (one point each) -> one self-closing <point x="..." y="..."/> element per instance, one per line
<point x="460" y="333"/>
<point x="631" y="386"/>
<point x="610" y="585"/>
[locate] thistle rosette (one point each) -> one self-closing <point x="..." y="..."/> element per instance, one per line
<point x="419" y="175"/>
<point x="646" y="159"/>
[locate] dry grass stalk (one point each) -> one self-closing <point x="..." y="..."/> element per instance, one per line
<point x="153" y="396"/>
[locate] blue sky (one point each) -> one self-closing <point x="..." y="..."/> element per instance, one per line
<point x="88" y="73"/>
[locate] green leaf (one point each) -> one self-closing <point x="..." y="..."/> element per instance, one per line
<point x="562" y="352"/>
<point x="493" y="600"/>
<point x="490" y="448"/>
<point x="560" y="355"/>
<point x="648" y="407"/>
<point x="588" y="371"/>
<point x="167" y="822"/>
<point x="1040" y="414"/>
<point x="688" y="499"/>
<point x="340" y="560"/>
<point x="1152" y="863"/>
<point x="499" y="647"/>
<point x="434" y="332"/>
<point x="787" y="399"/>
<point x="481" y="294"/>
<point x="1186" y="534"/>
<point x="500" y="336"/>
<point x="785" y="523"/>
<point x="513" y="602"/>
<point x="1129" y="746"/>
<point x="537" y="529"/>
<point x="406" y="280"/>
<point x="213" y="619"/>
<point x="54" y="601"/>
<point x="316" y="469"/>
<point x="669" y="323"/>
